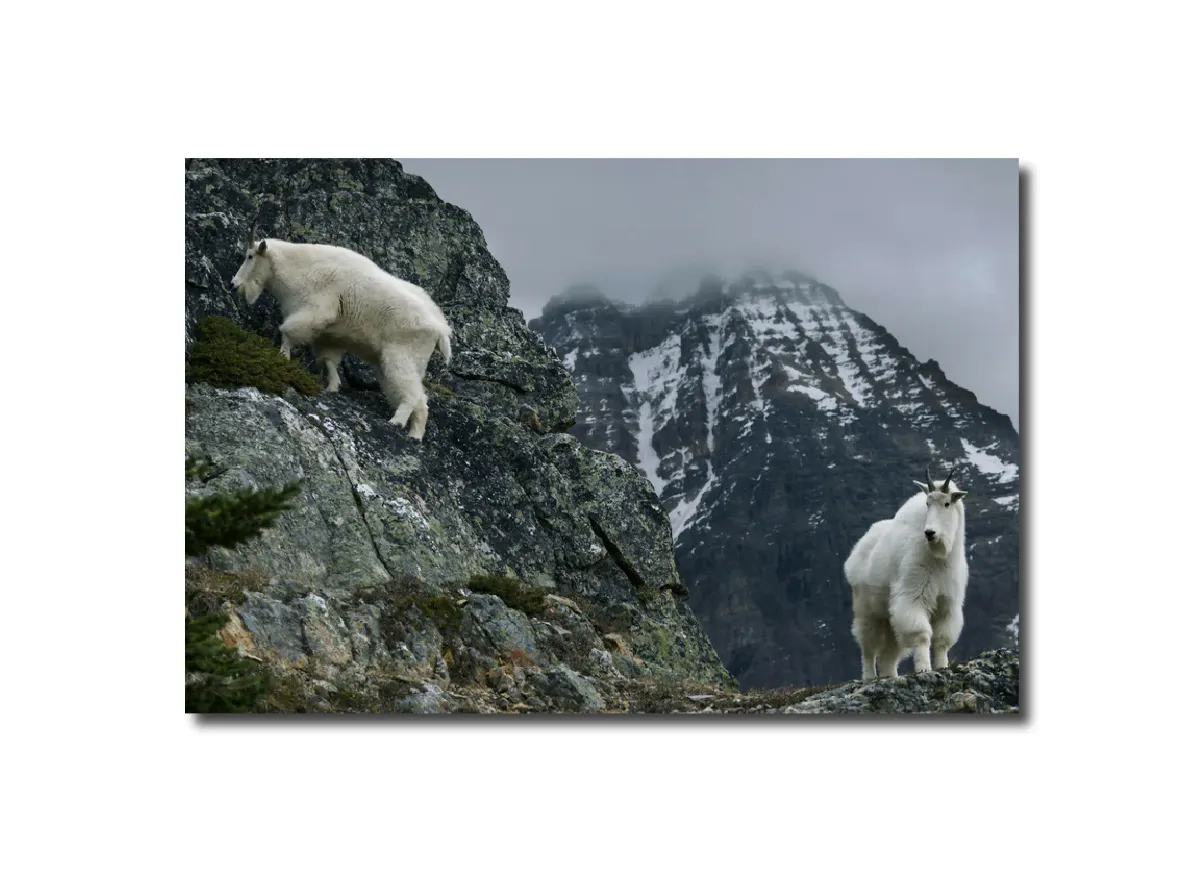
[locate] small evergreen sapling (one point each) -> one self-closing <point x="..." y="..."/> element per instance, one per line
<point x="227" y="519"/>
<point x="217" y="679"/>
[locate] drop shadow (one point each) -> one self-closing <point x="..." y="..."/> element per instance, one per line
<point x="317" y="720"/>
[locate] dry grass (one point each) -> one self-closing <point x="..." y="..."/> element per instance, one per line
<point x="207" y="590"/>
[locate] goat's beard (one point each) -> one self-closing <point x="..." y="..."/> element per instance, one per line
<point x="251" y="291"/>
<point x="938" y="546"/>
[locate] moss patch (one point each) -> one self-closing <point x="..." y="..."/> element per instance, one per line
<point x="348" y="698"/>
<point x="514" y="592"/>
<point x="439" y="608"/>
<point x="438" y="388"/>
<point x="285" y="693"/>
<point x="226" y="356"/>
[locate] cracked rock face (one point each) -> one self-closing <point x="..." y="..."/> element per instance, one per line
<point x="366" y="604"/>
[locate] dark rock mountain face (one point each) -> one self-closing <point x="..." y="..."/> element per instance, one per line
<point x="776" y="424"/>
<point x="365" y="589"/>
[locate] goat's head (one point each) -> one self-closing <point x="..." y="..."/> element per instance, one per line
<point x="944" y="515"/>
<point x="255" y="271"/>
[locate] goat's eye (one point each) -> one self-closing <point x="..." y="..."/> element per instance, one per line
<point x="248" y="257"/>
<point x="947" y="505"/>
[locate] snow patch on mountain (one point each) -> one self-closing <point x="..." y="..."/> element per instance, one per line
<point x="990" y="464"/>
<point x="712" y="385"/>
<point x="683" y="514"/>
<point x="656" y="374"/>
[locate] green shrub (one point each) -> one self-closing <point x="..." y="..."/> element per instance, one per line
<point x="440" y="608"/>
<point x="226" y="519"/>
<point x="514" y="592"/>
<point x="217" y="679"/>
<point x="226" y="356"/>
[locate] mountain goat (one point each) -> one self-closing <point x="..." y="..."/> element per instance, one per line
<point x="339" y="302"/>
<point x="909" y="574"/>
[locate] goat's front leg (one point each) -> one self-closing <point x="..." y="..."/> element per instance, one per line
<point x="946" y="628"/>
<point x="300" y="328"/>
<point x="922" y="655"/>
<point x="913" y="631"/>
<point x="889" y="656"/>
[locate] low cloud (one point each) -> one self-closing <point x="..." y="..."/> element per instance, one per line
<point x="927" y="248"/>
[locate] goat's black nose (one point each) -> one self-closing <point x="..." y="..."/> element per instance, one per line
<point x="931" y="534"/>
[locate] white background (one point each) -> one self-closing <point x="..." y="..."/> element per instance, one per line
<point x="103" y="768"/>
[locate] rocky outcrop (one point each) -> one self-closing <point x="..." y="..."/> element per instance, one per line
<point x="985" y="685"/>
<point x="396" y="219"/>
<point x="776" y="424"/>
<point x="499" y="565"/>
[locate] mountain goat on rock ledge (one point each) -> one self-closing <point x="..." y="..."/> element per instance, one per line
<point x="340" y="302"/>
<point x="909" y="576"/>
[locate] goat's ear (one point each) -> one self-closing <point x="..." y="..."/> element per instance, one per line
<point x="263" y="246"/>
<point x="923" y="486"/>
<point x="957" y="495"/>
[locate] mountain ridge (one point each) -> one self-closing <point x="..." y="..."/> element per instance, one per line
<point x="776" y="423"/>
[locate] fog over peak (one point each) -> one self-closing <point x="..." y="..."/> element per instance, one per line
<point x="927" y="248"/>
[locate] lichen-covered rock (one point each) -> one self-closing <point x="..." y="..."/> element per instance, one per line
<point x="988" y="684"/>
<point x="570" y="690"/>
<point x="985" y="685"/>
<point x="428" y="701"/>
<point x="367" y="578"/>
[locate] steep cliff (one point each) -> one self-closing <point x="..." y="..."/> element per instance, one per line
<point x="499" y="565"/>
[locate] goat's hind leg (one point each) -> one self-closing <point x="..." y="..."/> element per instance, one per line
<point x="866" y="635"/>
<point x="418" y="419"/>
<point x="329" y="357"/>
<point x="403" y="386"/>
<point x="871" y="629"/>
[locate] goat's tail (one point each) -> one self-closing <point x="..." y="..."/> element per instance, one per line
<point x="445" y="345"/>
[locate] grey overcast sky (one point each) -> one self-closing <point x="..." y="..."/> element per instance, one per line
<point x="927" y="248"/>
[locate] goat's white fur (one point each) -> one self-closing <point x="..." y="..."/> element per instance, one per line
<point x="339" y="302"/>
<point x="908" y="592"/>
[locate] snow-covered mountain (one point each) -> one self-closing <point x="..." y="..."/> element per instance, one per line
<point x="777" y="424"/>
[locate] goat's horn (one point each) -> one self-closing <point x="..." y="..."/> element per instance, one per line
<point x="945" y="486"/>
<point x="928" y="475"/>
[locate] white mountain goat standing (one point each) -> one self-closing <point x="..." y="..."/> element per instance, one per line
<point x="909" y="576"/>
<point x="339" y="302"/>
